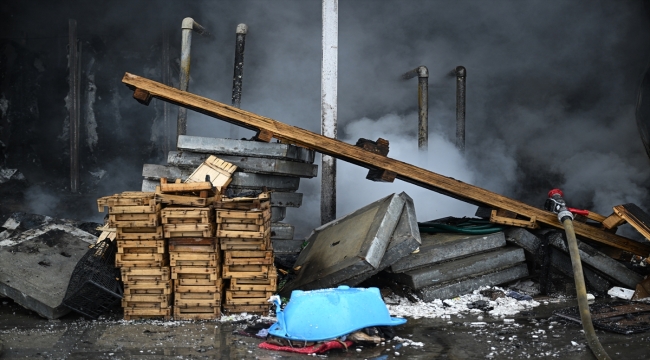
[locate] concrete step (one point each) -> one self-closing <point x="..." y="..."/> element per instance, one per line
<point x="218" y="146"/>
<point x="462" y="268"/>
<point x="442" y="247"/>
<point x="459" y="287"/>
<point x="248" y="164"/>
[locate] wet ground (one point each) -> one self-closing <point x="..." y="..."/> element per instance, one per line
<point x="533" y="334"/>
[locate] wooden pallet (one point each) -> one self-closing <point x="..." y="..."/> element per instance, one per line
<point x="246" y="271"/>
<point x="194" y="245"/>
<point x="218" y="171"/>
<point x="162" y="288"/>
<point x="243" y="257"/>
<point x="154" y="246"/>
<point x="188" y="230"/>
<point x="197" y="313"/>
<point x="244" y="244"/>
<point x="194" y="259"/>
<point x="251" y="309"/>
<point x="212" y="271"/>
<point x="270" y="284"/>
<point x="140" y="233"/>
<point x="176" y="215"/>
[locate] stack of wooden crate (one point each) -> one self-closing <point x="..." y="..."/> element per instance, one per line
<point x="244" y="232"/>
<point x="141" y="254"/>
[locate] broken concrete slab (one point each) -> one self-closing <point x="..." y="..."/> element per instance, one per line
<point x="404" y="240"/>
<point x="286" y="199"/>
<point x="37" y="265"/>
<point x="287" y="246"/>
<point x="282" y="231"/>
<point x="599" y="261"/>
<point x="278" y="213"/>
<point x="456" y="288"/>
<point x="218" y="146"/>
<point x="558" y="259"/>
<point x="441" y="247"/>
<point x="248" y="164"/>
<point x="249" y="181"/>
<point x="462" y="268"/>
<point x="347" y="246"/>
<point x="170" y="172"/>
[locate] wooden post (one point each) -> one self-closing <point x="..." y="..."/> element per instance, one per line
<point x="329" y="77"/>
<point x="74" y="103"/>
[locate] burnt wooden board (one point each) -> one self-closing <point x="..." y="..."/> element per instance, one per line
<point x="636" y="217"/>
<point x="358" y="156"/>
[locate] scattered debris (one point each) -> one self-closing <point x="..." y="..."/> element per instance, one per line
<point x="622" y="317"/>
<point x="621" y="293"/>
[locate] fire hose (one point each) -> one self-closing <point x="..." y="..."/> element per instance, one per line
<point x="556" y="204"/>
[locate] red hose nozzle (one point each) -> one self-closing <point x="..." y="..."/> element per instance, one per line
<point x="555" y="191"/>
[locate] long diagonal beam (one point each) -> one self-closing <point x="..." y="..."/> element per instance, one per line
<point x="145" y="89"/>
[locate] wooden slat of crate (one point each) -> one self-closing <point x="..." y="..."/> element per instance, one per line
<point x="213" y="272"/>
<point x="246" y="271"/>
<point x="196" y="289"/>
<point x="139" y="199"/>
<point x="187" y="303"/>
<point x="188" y="230"/>
<point x="245" y="234"/>
<point x="146" y="209"/>
<point x="124" y="245"/>
<point x="142" y="263"/>
<point x="251" y="309"/>
<point x="182" y="200"/>
<point x="145" y="304"/>
<point x="219" y="171"/>
<point x="190" y="245"/>
<point x="147" y="312"/>
<point x="184" y="188"/>
<point x="143" y="250"/>
<point x="237" y="294"/>
<point x="133" y="217"/>
<point x="216" y="296"/>
<point x="187" y="215"/>
<point x="140" y="233"/>
<point x="139" y="257"/>
<point x="210" y="260"/>
<point x="196" y="280"/>
<point x="148" y="298"/>
<point x="242" y="206"/>
<point x="162" y="287"/>
<point x="269" y="284"/>
<point x="134" y="223"/>
<point x="145" y="279"/>
<point x="189" y="314"/>
<point x="224" y="215"/>
<point x="244" y="244"/>
<point x="160" y="271"/>
<point x="146" y="317"/>
<point x="243" y="257"/>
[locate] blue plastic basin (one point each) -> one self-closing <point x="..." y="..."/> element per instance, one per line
<point x="330" y="313"/>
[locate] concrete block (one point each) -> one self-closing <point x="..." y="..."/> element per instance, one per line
<point x="278" y="213"/>
<point x="437" y="248"/>
<point x="466" y="267"/>
<point x="347" y="246"/>
<point x="218" y="146"/>
<point x="282" y="231"/>
<point x="149" y="185"/>
<point x="248" y="164"/>
<point x="599" y="261"/>
<point x="460" y="287"/>
<point x="36" y="266"/>
<point x="171" y="172"/>
<point x="287" y="246"/>
<point x="405" y="240"/>
<point x="559" y="260"/>
<point x="286" y="199"/>
<point x="249" y="181"/>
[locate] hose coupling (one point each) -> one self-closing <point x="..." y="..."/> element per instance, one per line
<point x="556" y="204"/>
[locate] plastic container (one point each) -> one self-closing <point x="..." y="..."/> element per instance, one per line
<point x="331" y="313"/>
<point x="95" y="286"/>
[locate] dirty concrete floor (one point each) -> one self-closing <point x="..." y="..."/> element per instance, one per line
<point x="534" y="334"/>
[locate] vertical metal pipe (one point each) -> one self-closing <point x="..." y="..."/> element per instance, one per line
<point x="461" y="74"/>
<point x="187" y="26"/>
<point x="166" y="79"/>
<point x="75" y="103"/>
<point x="423" y="104"/>
<point x="329" y="77"/>
<point x="238" y="77"/>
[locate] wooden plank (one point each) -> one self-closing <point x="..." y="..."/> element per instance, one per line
<point x="148" y="312"/>
<point x="208" y="245"/>
<point x="198" y="259"/>
<point x="183" y="200"/>
<point x="133" y="217"/>
<point x="125" y="245"/>
<point x="248" y="257"/>
<point x="269" y="284"/>
<point x="243" y="206"/>
<point x="126" y="271"/>
<point x="353" y="154"/>
<point x="175" y="188"/>
<point x="246" y="271"/>
<point x="636" y="217"/>
<point x="506" y="220"/>
<point x="147" y="209"/>
<point x="148" y="298"/>
<point x="140" y="233"/>
<point x="197" y="296"/>
<point x="178" y="288"/>
<point x="218" y="172"/>
<point x="163" y="288"/>
<point x="188" y="230"/>
<point x="613" y="221"/>
<point x="213" y="272"/>
<point x="244" y="234"/>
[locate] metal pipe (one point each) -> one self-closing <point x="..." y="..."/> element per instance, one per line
<point x="187" y="26"/>
<point x="166" y="79"/>
<point x="423" y="104"/>
<point x="461" y="74"/>
<point x="238" y="76"/>
<point x="74" y="103"/>
<point x="329" y="77"/>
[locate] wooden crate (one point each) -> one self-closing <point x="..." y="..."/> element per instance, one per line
<point x="185" y="279"/>
<point x="153" y="246"/>
<point x="145" y="304"/>
<point x="197" y="313"/>
<point x="184" y="200"/>
<point x="126" y="199"/>
<point x="200" y="299"/>
<point x="245" y="203"/>
<point x="160" y="260"/>
<point x="270" y="284"/>
<point x="264" y="233"/>
<point x="246" y="271"/>
<point x="250" y="257"/>
<point x="188" y="230"/>
<point x="219" y="172"/>
<point x="162" y="272"/>
<point x="148" y="298"/>
<point x="179" y="215"/>
<point x="144" y="209"/>
<point x="200" y="289"/>
<point x="243" y="217"/>
<point x="133" y="220"/>
<point x="245" y="244"/>
<point x="212" y="271"/>
<point x="192" y="245"/>
<point x="140" y="233"/>
<point x="234" y="297"/>
<point x="251" y="309"/>
<point x="161" y="287"/>
<point x="139" y="313"/>
<point x="194" y="259"/>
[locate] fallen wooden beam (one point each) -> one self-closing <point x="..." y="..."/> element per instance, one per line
<point x="356" y="155"/>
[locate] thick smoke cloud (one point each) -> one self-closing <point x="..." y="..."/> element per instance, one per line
<point x="550" y="102"/>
